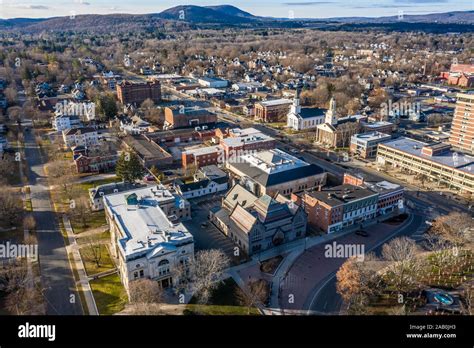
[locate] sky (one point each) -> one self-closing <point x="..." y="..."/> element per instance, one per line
<point x="271" y="8"/>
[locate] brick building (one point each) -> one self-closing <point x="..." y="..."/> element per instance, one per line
<point x="137" y="93"/>
<point x="460" y="75"/>
<point x="462" y="127"/>
<point x="181" y="117"/>
<point x="272" y="110"/>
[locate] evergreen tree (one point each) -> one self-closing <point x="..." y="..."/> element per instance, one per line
<point x="128" y="167"/>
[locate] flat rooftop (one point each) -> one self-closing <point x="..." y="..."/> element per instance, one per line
<point x="146" y="228"/>
<point x="341" y="194"/>
<point x="371" y="136"/>
<point x="144" y="148"/>
<point x="206" y="150"/>
<point x="451" y="159"/>
<point x="246" y="139"/>
<point x="276" y="102"/>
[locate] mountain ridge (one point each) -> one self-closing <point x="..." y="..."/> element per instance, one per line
<point x="213" y="15"/>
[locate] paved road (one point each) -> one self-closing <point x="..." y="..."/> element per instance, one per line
<point x="56" y="275"/>
<point x="326" y="300"/>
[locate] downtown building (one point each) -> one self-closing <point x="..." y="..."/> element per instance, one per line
<point x="259" y="223"/>
<point x="272" y="110"/>
<point x="462" y="127"/>
<point x="354" y="203"/>
<point x="437" y="162"/>
<point x="274" y="171"/>
<point x="147" y="238"/>
<point x="137" y="93"/>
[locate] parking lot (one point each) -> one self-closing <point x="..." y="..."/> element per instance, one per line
<point x="206" y="235"/>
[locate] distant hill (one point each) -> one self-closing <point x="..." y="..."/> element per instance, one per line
<point x="460" y="17"/>
<point x="216" y="14"/>
<point x="227" y="15"/>
<point x="234" y="11"/>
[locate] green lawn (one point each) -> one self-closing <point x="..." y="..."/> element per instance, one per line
<point x="85" y="186"/>
<point x="104" y="236"/>
<point x="105" y="263"/>
<point x="94" y="219"/>
<point x="109" y="294"/>
<point x="195" y="309"/>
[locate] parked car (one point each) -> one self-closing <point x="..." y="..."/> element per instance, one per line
<point x="362" y="233"/>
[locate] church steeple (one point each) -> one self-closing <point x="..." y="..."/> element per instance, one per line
<point x="296" y="107"/>
<point x="331" y="116"/>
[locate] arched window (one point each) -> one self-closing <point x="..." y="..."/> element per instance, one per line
<point x="163" y="262"/>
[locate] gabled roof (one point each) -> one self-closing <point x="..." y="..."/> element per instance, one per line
<point x="312" y="112"/>
<point x="327" y="127"/>
<point x="239" y="195"/>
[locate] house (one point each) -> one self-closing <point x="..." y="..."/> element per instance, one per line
<point x="62" y="122"/>
<point x="209" y="179"/>
<point x="275" y="171"/>
<point x="256" y="223"/>
<point x="95" y="164"/>
<point x="365" y="145"/>
<point x="135" y="125"/>
<point x="304" y="118"/>
<point x="85" y="136"/>
<point x="272" y="110"/>
<point x="96" y="194"/>
<point x="147" y="238"/>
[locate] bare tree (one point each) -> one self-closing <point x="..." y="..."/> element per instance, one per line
<point x="15" y="281"/>
<point x="93" y="249"/>
<point x="10" y="205"/>
<point x="145" y="291"/>
<point x="454" y="228"/>
<point x="357" y="282"/>
<point x="405" y="267"/>
<point x="80" y="210"/>
<point x="203" y="274"/>
<point x="254" y="294"/>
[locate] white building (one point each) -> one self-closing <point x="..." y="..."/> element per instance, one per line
<point x="96" y="194"/>
<point x="84" y="136"/>
<point x="64" y="122"/>
<point x="135" y="126"/>
<point x="147" y="240"/>
<point x="210" y="82"/>
<point x="208" y="180"/>
<point x="304" y="118"/>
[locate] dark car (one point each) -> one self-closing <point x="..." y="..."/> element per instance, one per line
<point x="362" y="233"/>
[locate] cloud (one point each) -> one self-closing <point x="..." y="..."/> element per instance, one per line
<point x="29" y="6"/>
<point x="419" y="1"/>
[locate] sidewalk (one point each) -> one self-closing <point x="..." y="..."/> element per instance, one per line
<point x="72" y="249"/>
<point x="291" y="251"/>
